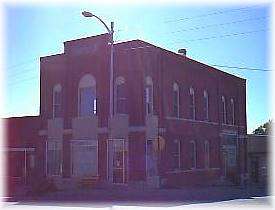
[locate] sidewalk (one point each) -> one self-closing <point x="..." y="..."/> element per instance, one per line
<point x="162" y="196"/>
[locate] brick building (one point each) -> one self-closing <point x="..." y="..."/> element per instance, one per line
<point x="176" y="121"/>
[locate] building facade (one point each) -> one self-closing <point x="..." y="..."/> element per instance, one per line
<point x="175" y="121"/>
<point x="258" y="157"/>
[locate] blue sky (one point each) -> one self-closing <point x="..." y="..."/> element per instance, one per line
<point x="222" y="35"/>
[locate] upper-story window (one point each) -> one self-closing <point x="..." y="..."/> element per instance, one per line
<point x="57" y="98"/>
<point x="206" y="105"/>
<point x="149" y="95"/>
<point x="120" y="96"/>
<point x="176" y="96"/>
<point x="192" y="103"/>
<point x="193" y="154"/>
<point x="233" y="111"/>
<point x="223" y="110"/>
<point x="87" y="103"/>
<point x="206" y="154"/>
<point x="176" y="150"/>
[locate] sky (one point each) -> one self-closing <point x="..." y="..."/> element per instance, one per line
<point x="227" y="35"/>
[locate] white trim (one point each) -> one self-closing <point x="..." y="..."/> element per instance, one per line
<point x="190" y="120"/>
<point x="18" y="149"/>
<point x="137" y="128"/>
<point x="192" y="170"/>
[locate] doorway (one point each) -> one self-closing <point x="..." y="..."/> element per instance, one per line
<point x="117" y="161"/>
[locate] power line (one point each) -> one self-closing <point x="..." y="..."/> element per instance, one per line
<point x="21" y="64"/>
<point x="219" y="24"/>
<point x="209" y="14"/>
<point x="220" y="36"/>
<point x="242" y="68"/>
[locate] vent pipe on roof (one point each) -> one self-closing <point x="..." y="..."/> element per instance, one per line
<point x="182" y="52"/>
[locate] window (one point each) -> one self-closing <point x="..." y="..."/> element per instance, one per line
<point x="57" y="101"/>
<point x="193" y="154"/>
<point x="206" y="105"/>
<point x="149" y="95"/>
<point x="120" y="96"/>
<point x="84" y="155"/>
<point x="233" y="111"/>
<point x="176" y="100"/>
<point x="53" y="158"/>
<point x="176" y="150"/>
<point x="87" y="103"/>
<point x="223" y="110"/>
<point x="206" y="154"/>
<point x="192" y="103"/>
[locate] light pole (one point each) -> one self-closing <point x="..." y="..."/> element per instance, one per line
<point x="111" y="33"/>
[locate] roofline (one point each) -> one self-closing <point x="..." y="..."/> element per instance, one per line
<point x="88" y="37"/>
<point x="53" y="55"/>
<point x="20" y="117"/>
<point x="185" y="57"/>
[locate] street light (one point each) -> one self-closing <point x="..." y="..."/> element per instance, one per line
<point x="111" y="33"/>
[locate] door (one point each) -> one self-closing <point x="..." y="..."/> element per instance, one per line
<point x="151" y="159"/>
<point x="225" y="164"/>
<point x="117" y="161"/>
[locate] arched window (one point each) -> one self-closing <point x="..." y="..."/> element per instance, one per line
<point x="176" y="96"/>
<point x="206" y="105"/>
<point x="149" y="95"/>
<point x="193" y="154"/>
<point x="233" y="111"/>
<point x="192" y="104"/>
<point x="206" y="154"/>
<point x="87" y="103"/>
<point x="176" y="150"/>
<point x="120" y="96"/>
<point x="57" y="101"/>
<point x="223" y="110"/>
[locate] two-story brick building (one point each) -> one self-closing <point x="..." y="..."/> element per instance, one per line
<point x="176" y="121"/>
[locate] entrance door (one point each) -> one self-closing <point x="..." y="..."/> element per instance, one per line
<point x="255" y="169"/>
<point x="117" y="161"/>
<point x="225" y="165"/>
<point x="151" y="159"/>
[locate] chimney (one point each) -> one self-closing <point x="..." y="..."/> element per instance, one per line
<point x="182" y="52"/>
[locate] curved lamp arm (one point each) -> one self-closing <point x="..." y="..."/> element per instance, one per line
<point x="88" y="14"/>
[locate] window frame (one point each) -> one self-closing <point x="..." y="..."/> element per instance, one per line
<point x="192" y="105"/>
<point x="85" y="82"/>
<point x="206" y="104"/>
<point x="176" y="103"/>
<point x="57" y="89"/>
<point x="149" y="98"/>
<point x="120" y="81"/>
<point x="224" y="117"/>
<point x="177" y="154"/>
